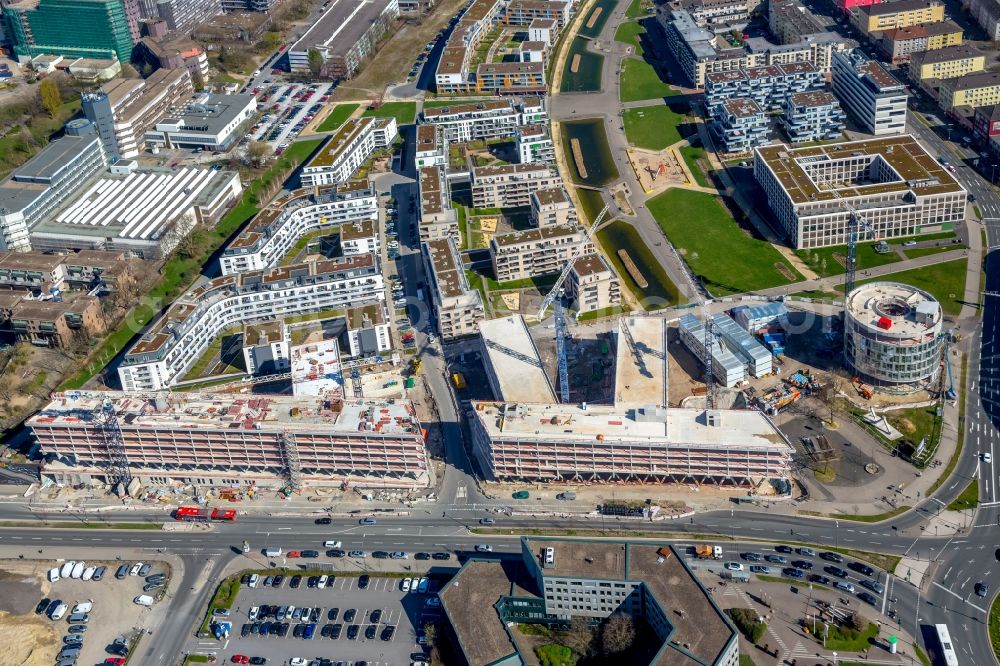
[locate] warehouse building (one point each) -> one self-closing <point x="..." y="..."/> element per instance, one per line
<point x="278" y="227"/>
<point x="345" y="35"/>
<point x="901" y="188"/>
<point x="870" y="94"/>
<point x="893" y="335"/>
<point x="458" y="308"/>
<point x="556" y="580"/>
<point x="228" y="440"/>
<point x="347" y="150"/>
<point x="513" y="365"/>
<point x="172" y="345"/>
<point x="527" y="442"/>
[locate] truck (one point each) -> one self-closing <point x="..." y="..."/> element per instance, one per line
<point x="458" y="379"/>
<point x="704" y="551"/>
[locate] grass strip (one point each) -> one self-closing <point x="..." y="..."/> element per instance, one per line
<point x="77" y="525"/>
<point x="874" y="518"/>
<point x="967" y="499"/>
<point x="338" y="116"/>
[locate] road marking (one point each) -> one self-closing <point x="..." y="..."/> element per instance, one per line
<point x="936" y="584"/>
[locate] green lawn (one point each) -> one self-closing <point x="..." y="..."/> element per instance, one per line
<point x="636" y="9"/>
<point x="692" y="155"/>
<point x="994" y="626"/>
<point x="631" y="32"/>
<point x="603" y="312"/>
<point x="823" y="261"/>
<point x="944" y="235"/>
<point x="846" y="639"/>
<point x="405" y="112"/>
<point x="655" y="127"/>
<point x="179" y="271"/>
<point x="714" y="246"/>
<point x="640" y="81"/>
<point x="914" y="253"/>
<point x="945" y="281"/>
<point x="554" y="654"/>
<point x="969" y="499"/>
<point x="337" y="116"/>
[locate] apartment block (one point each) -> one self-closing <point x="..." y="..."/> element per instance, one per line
<point x="533" y="144"/>
<point x="986" y="124"/>
<point x="901" y="44"/>
<point x="543" y="30"/>
<point x="347" y="150"/>
<point x="901" y="188"/>
<point x="534" y="252"/>
<point x="812" y="116"/>
<point x="558" y="580"/>
<point x="718" y="13"/>
<point x="178" y="338"/>
<point x="368" y="331"/>
<point x="897" y="14"/>
<point x="248" y="5"/>
<point x="592" y="285"/>
<point x="453" y="73"/>
<point x="740" y="125"/>
<point x="70" y="28"/>
<point x="458" y="308"/>
<point x="171" y="54"/>
<point x="488" y="119"/>
<point x="768" y="85"/>
<point x="125" y="109"/>
<point x="430" y="149"/>
<point x="266" y="348"/>
<point x="552" y="206"/>
<point x="39" y="187"/>
<point x="180" y="15"/>
<point x="510" y="78"/>
<point x="345" y="35"/>
<point x="438" y="218"/>
<point x="790" y="21"/>
<point x="231" y="440"/>
<point x="946" y="63"/>
<point x="987" y="14"/>
<point x="870" y="94"/>
<point x="510" y="185"/>
<point x="280" y="224"/>
<point x="525" y="442"/>
<point x="39" y="273"/>
<point x="972" y="90"/>
<point x="49" y="323"/>
<point x="525" y="12"/>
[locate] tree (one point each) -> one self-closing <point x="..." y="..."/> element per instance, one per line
<point x="258" y="152"/>
<point x="147" y="69"/>
<point x="197" y="80"/>
<point x="6" y="388"/>
<point x="579" y="636"/>
<point x="128" y="71"/>
<point x="48" y="91"/>
<point x="315" y="62"/>
<point x="617" y="634"/>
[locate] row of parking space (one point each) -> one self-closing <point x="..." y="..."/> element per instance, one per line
<point x="287" y="109"/>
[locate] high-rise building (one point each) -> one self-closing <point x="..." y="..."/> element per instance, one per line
<point x="77" y="28"/>
<point x="180" y="15"/>
<point x="869" y="93"/>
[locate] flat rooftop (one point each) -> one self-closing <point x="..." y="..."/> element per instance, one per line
<point x="583" y="559"/>
<point x="947" y="54"/>
<point x="897" y="7"/>
<point x="591" y="264"/>
<point x="518" y="371"/>
<point x="742" y="107"/>
<point x="536" y="235"/>
<point x="573" y="423"/>
<point x="263" y="333"/>
<point x="551" y="196"/>
<point x="895" y="309"/>
<point x="641" y="370"/>
<point x="448" y="272"/>
<point x="814" y="98"/>
<point x="335" y="147"/>
<point x="442" y="113"/>
<point x="210" y="113"/>
<point x="340" y="27"/>
<point x="918" y="171"/>
<point x="174" y="411"/>
<point x="316" y="370"/>
<point x="52" y="160"/>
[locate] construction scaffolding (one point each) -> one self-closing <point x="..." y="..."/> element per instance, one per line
<point x="106" y="418"/>
<point x="290" y="452"/>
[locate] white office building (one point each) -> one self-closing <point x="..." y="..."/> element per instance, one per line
<point x="869" y="93"/>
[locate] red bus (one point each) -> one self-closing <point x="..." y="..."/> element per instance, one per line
<point x="224" y="514"/>
<point x="191" y="513"/>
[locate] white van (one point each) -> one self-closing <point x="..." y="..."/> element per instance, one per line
<point x="88" y="573"/>
<point x="405" y="585"/>
<point x="78" y="570"/>
<point x="59" y="612"/>
<point x="83" y="607"/>
<point x="54" y="574"/>
<point x="67" y="569"/>
<point x="333" y="544"/>
<point x="272" y="552"/>
<point x="143" y="600"/>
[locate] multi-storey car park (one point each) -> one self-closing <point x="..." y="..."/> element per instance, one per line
<point x="276" y="229"/>
<point x="526" y="442"/>
<point x="204" y="439"/>
<point x="173" y="344"/>
<point x="893" y="335"/>
<point x="892" y="182"/>
<point x="556" y="580"/>
<point x="342" y="154"/>
<point x="487" y="119"/>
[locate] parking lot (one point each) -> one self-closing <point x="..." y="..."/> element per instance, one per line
<point x="378" y="625"/>
<point x="286" y="109"/>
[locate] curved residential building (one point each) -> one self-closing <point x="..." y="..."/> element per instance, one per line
<point x="892" y="334"/>
<point x="276" y="229"/>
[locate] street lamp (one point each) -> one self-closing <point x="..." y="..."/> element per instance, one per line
<point x="835" y="659"/>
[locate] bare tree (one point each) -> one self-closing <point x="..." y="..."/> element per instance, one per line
<point x="618" y="633"/>
<point x="579" y="636"/>
<point x="258" y="152"/>
<point x="6" y="388"/>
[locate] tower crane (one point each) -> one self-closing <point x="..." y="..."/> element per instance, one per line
<point x="560" y="318"/>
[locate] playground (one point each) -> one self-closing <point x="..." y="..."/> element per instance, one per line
<point x="657" y="170"/>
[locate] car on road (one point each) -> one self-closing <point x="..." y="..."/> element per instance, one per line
<point x="982" y="589"/>
<point x="734" y="566"/>
<point x="784" y="549"/>
<point x="987" y="457"/>
<point x="807" y="552"/>
<point x="335" y="552"/>
<point x="909" y="243"/>
<point x="832" y="557"/>
<point x="836" y="571"/>
<point x="802" y="564"/>
<point x="845" y="586"/>
<point x="422" y="556"/>
<point x="760" y="569"/>
<point x="873" y="585"/>
<point x="751" y="557"/>
<point x="257" y="661"/>
<point x="484" y="548"/>
<point x="398" y="555"/>
<point x="487" y="521"/>
<point x="868" y="598"/>
<point x="822" y="580"/>
<point x="309" y="554"/>
<point x="863" y="569"/>
<point x="367" y="521"/>
<point x="793" y="572"/>
<point x="240" y="659"/>
<point x="356" y="553"/>
<point x="324" y="521"/>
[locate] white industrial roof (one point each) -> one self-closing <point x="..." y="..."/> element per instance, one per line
<point x="514" y="363"/>
<point x="641" y="374"/>
<point x="316" y="369"/>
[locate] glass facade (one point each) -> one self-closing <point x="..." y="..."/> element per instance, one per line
<point x="72" y="28"/>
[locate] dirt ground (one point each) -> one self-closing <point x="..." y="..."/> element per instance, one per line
<point x="32" y="640"/>
<point x="645" y="163"/>
<point x="395" y="57"/>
